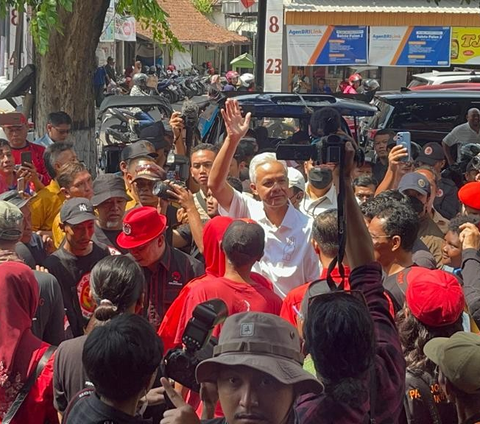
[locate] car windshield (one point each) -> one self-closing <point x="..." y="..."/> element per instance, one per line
<point x="417" y="82"/>
<point x="279" y="127"/>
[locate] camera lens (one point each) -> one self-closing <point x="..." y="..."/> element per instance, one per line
<point x="160" y="190"/>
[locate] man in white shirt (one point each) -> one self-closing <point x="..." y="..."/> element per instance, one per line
<point x="289" y="259"/>
<point x="466" y="133"/>
<point x="320" y="193"/>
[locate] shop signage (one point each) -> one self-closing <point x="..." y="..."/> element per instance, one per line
<point x="410" y="46"/>
<point x="125" y="29"/>
<point x="327" y="45"/>
<point x="465" y="46"/>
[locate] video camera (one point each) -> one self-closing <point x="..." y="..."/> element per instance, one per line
<point x="178" y="171"/>
<point x="328" y="149"/>
<point x="180" y="364"/>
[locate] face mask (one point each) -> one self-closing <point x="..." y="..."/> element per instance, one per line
<point x="320" y="178"/>
<point x="416" y="204"/>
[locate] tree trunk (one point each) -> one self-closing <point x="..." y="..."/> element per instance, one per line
<point x="64" y="80"/>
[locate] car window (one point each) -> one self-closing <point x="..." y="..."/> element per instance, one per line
<point x="280" y="127"/>
<point x="380" y="118"/>
<point x="417" y="82"/>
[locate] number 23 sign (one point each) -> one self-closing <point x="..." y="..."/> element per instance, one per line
<point x="273" y="46"/>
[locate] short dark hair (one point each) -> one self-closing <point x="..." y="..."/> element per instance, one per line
<point x="300" y="136"/>
<point x="205" y="146"/>
<point x="340" y="336"/>
<point x="59" y="118"/>
<point x="121" y="356"/>
<point x="373" y="207"/>
<point x="235" y="183"/>
<point x="325" y="121"/>
<point x="119" y="280"/>
<point x="325" y="232"/>
<point x="457" y="222"/>
<point x="68" y="172"/>
<point x="50" y="156"/>
<point x="385" y="131"/>
<point x="243" y="242"/>
<point x="400" y="220"/>
<point x="365" y="181"/>
<point x="4" y="143"/>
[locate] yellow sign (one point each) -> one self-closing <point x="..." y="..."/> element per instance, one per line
<point x="465" y="46"/>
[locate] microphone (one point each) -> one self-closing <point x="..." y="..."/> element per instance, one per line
<point x="190" y="118"/>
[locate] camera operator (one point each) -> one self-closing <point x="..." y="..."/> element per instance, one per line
<point x="354" y="343"/>
<point x="257" y="370"/>
<point x="320" y="194"/>
<point x="289" y="258"/>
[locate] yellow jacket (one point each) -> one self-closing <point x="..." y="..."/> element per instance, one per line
<point x="45" y="206"/>
<point x="57" y="232"/>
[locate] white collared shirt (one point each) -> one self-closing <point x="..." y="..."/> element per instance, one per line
<point x="289" y="259"/>
<point x="314" y="207"/>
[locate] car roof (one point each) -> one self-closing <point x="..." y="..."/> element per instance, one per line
<point x="428" y="94"/>
<point x="439" y="74"/>
<point x="463" y="86"/>
<point x="299" y="106"/>
<point x="131" y="101"/>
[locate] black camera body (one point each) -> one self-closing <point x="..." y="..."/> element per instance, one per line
<point x="328" y="149"/>
<point x="160" y="189"/>
<point x="180" y="364"/>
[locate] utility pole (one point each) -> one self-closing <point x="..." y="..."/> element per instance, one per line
<point x="260" y="53"/>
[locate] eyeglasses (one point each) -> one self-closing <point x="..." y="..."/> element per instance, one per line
<point x="62" y="131"/>
<point x="374" y="237"/>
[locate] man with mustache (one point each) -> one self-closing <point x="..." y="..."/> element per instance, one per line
<point x="109" y="200"/>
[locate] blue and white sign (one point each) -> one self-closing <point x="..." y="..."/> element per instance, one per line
<point x="410" y="46"/>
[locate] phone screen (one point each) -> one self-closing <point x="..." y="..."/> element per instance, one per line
<point x="26" y="157"/>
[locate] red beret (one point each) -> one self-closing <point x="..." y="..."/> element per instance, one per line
<point x="469" y="195"/>
<point x="435" y="297"/>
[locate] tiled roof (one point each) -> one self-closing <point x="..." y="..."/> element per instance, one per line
<point x="387" y="6"/>
<point x="191" y="27"/>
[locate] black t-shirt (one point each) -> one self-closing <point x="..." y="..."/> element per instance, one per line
<point x="48" y="324"/>
<point x="91" y="410"/>
<point x="418" y="408"/>
<point x="191" y="248"/>
<point x="69" y="376"/>
<point x="109" y="239"/>
<point x="33" y="253"/>
<point x="73" y="274"/>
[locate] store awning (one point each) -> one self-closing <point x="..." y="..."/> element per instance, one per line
<point x="245" y="60"/>
<point x="191" y="27"/>
<point x="382" y="13"/>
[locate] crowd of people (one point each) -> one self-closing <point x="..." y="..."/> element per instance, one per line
<point x="352" y="292"/>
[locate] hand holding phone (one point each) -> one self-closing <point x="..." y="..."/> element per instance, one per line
<point x="404" y="139"/>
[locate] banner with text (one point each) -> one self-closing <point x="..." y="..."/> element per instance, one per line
<point x="410" y="46"/>
<point x="327" y="45"/>
<point x="273" y="66"/>
<point x="465" y="46"/>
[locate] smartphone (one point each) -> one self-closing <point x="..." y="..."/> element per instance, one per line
<point x="12" y="118"/>
<point x="404" y="139"/>
<point x="21" y="184"/>
<point x="26" y="157"/>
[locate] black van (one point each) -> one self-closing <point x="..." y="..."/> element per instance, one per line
<point x="427" y="115"/>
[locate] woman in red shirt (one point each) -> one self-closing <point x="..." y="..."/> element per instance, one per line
<point x="20" y="350"/>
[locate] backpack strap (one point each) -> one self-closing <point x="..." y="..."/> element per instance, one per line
<point x="25" y="390"/>
<point x="79" y="396"/>
<point x="425" y="394"/>
<point x="201" y="200"/>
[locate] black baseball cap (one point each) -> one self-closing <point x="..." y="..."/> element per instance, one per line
<point x="431" y="154"/>
<point x="138" y="149"/>
<point x="77" y="210"/>
<point x="107" y="186"/>
<point x="155" y="134"/>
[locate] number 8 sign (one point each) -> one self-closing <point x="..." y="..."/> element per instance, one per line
<point x="274" y="46"/>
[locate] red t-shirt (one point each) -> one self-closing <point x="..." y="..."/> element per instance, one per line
<point x="37" y="159"/>
<point x="239" y="297"/>
<point x="38" y="405"/>
<point x="293" y="301"/>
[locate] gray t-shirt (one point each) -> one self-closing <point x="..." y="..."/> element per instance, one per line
<point x="461" y="135"/>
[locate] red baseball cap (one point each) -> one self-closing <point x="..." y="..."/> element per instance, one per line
<point x="435" y="298"/>
<point x="469" y="195"/>
<point x="140" y="226"/>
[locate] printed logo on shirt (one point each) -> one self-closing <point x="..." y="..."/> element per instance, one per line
<point x="176" y="276"/>
<point x="87" y="305"/>
<point x="247" y="329"/>
<point x="113" y="251"/>
<point x="289" y="249"/>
